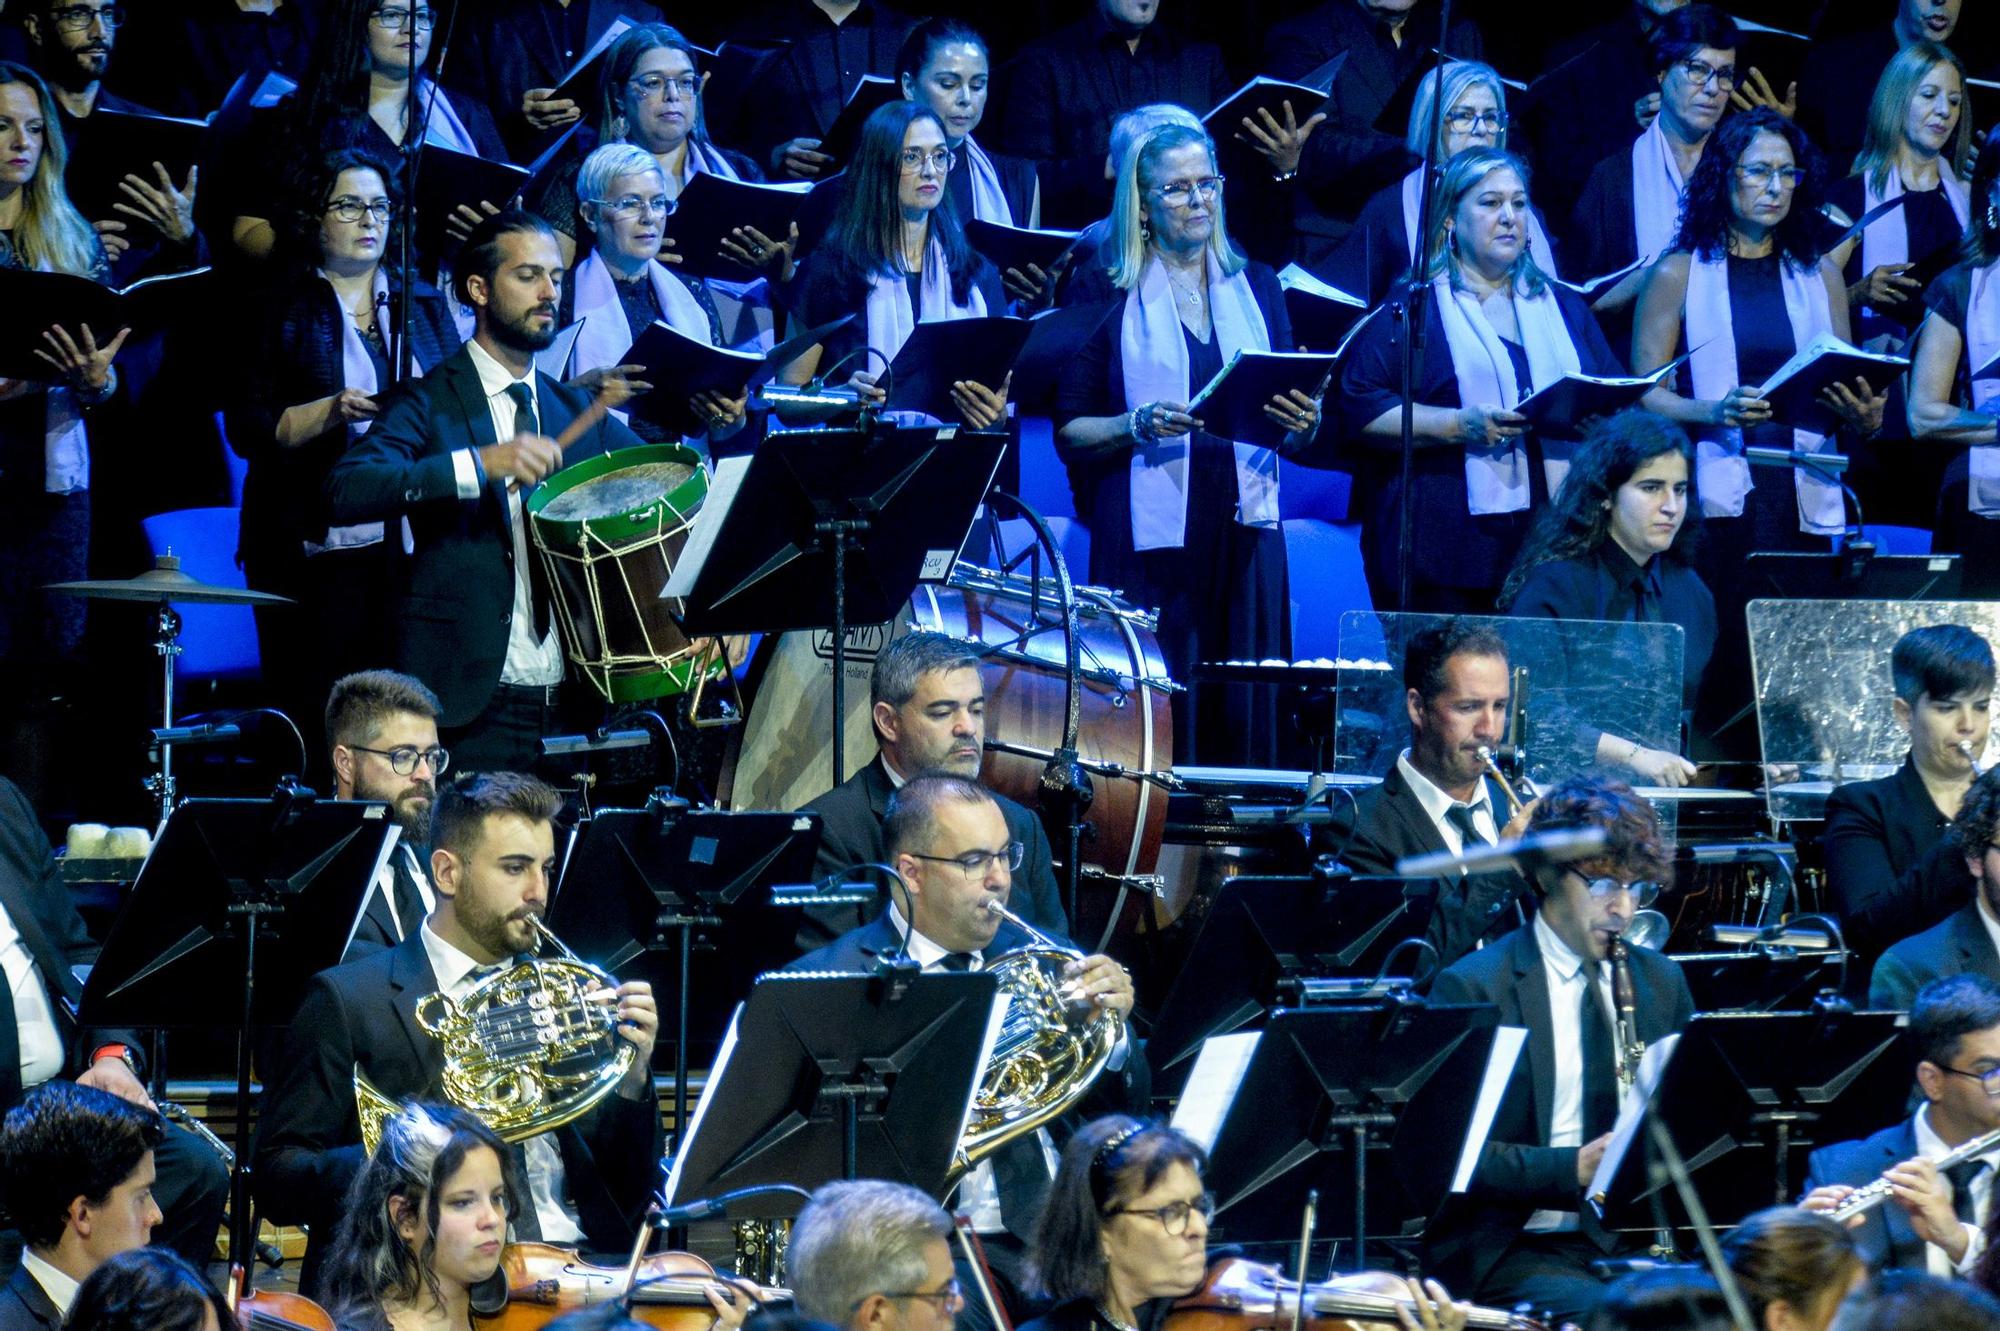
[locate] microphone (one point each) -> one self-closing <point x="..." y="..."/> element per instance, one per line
<point x="1560" y="846"/>
<point x="717" y="1208"/>
<point x="811" y="403"/>
<point x="1775" y="935"/>
<point x="1831" y="463"/>
<point x="1351" y="989"/>
<point x="209" y="732"/>
<point x="831" y="890"/>
<point x="601" y="741"/>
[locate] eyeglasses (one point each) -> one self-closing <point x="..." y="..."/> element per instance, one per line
<point x="349" y="209"/>
<point x="947" y="1301"/>
<point x="1643" y="894"/>
<point x="1759" y="175"/>
<point x="1989" y="1080"/>
<point x="1180" y="193"/>
<point x="77" y="18"/>
<point x="653" y="86"/>
<point x="403" y="761"/>
<point x="975" y="861"/>
<point x="1464" y="119"/>
<point x="396" y="18"/>
<point x="631" y="205"/>
<point x="1173" y="1217"/>
<point x="1699" y="72"/>
<point x="939" y="159"/>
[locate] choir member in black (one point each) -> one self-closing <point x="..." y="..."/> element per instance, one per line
<point x="1793" y="1267"/>
<point x="1889" y="871"/>
<point x="44" y="440"/>
<point x="1389" y="43"/>
<point x="1383" y="244"/>
<point x="356" y="94"/>
<point x="1063" y="91"/>
<point x="832" y="44"/>
<point x="1496" y="330"/>
<point x="1744" y="288"/>
<point x="896" y="258"/>
<point x="321" y="351"/>
<point x="510" y="56"/>
<point x="203" y="46"/>
<point x="1955" y="388"/>
<point x="1182" y="519"/>
<point x="1837" y="68"/>
<point x="1631" y="205"/>
<point x="1515" y="1233"/>
<point x="1614" y="544"/>
<point x="624" y="285"/>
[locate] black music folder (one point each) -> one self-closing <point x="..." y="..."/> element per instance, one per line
<point x="940" y="354"/>
<point x="1019" y="246"/>
<point x="1591" y="288"/>
<point x="1232" y="404"/>
<point x="1794" y="390"/>
<point x="843" y="136"/>
<point x="1054" y="339"/>
<point x="1321" y="314"/>
<point x="1558" y="410"/>
<point x="581" y="83"/>
<point x="447" y="179"/>
<point x="710" y="207"/>
<point x="123" y="143"/>
<point x="1225" y="122"/>
<point x="1775" y="53"/>
<point x="34" y="301"/>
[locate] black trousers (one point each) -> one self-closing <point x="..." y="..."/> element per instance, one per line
<point x="1550" y="1273"/>
<point x="507" y="736"/>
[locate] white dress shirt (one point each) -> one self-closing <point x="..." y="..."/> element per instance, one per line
<point x="1930" y="1146"/>
<point x="41" y="1044"/>
<point x="528" y="661"/>
<point x="453" y="970"/>
<point x="1436" y="802"/>
<point x="1565" y="974"/>
<point x="55" y="1282"/>
<point x="385" y="883"/>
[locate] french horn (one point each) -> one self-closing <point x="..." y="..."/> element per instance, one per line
<point x="529" y="1049"/>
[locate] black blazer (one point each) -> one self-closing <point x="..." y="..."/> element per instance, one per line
<point x="1884" y="1236"/>
<point x="1390" y="824"/>
<point x="362" y="1016"/>
<point x="456" y="593"/>
<point x="1958" y="946"/>
<point x="1889" y="870"/>
<point x="513" y="47"/>
<point x="377" y="931"/>
<point x="1519" y="1172"/>
<point x="851" y="817"/>
<point x="26" y="1306"/>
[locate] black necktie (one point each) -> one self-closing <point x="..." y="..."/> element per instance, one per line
<point x="527" y="1221"/>
<point x="956" y="961"/>
<point x="1600" y="1085"/>
<point x="410" y="910"/>
<point x="1645" y="605"/>
<point x="527" y="422"/>
<point x="1460" y="816"/>
<point x="1962" y="1175"/>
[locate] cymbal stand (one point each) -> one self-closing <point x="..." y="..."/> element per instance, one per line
<point x="167" y="642"/>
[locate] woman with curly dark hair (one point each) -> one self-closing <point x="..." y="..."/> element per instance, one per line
<point x="1617" y="543"/>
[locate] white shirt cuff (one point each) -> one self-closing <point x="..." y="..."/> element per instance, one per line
<point x="1975" y="1244"/>
<point x="465" y="470"/>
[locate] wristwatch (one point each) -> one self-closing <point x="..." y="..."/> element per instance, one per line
<point x="117" y="1051"/>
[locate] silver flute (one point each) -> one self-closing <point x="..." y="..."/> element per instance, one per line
<point x="1965" y="747"/>
<point x="1865" y="1199"/>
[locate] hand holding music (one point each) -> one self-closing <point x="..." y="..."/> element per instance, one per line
<point x="523" y="460"/>
<point x="1742" y="408"/>
<point x="1828" y="1197"/>
<point x="981" y="407"/>
<point x="801" y="159"/>
<point x="115" y="1077"/>
<point x="1031" y="286"/>
<point x="1860" y="406"/>
<point x="719" y="411"/>
<point x="1431" y="1309"/>
<point x="1163" y="420"/>
<point x="617" y="383"/>
<point x="863" y="383"/>
<point x="348" y="406"/>
<point x="1755" y="92"/>
<point x="545" y="110"/>
<point x="1280" y="145"/>
<point x="111" y="235"/>
<point x="1489" y="426"/>
<point x="165" y="208"/>
<point x="458" y="223"/>
<point x="1297" y="411"/>
<point x="1646" y="110"/>
<point x="86" y="368"/>
<point x="1100" y="982"/>
<point x="1885" y="285"/>
<point x="1588" y="1157"/>
<point x="753" y="249"/>
<point x="1925" y="1196"/>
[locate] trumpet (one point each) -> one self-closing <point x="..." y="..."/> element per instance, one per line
<point x="1507" y="787"/>
<point x="1865" y="1199"/>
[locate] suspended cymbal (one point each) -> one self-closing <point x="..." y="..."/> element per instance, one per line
<point x="165" y="582"/>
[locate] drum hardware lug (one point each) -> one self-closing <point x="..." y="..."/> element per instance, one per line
<point x="1152" y="884"/>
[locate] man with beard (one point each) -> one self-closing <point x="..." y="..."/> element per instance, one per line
<point x="492" y="860"/>
<point x="383" y="730"/>
<point x="453" y="453"/>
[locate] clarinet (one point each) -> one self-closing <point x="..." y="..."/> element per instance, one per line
<point x="1629" y="1051"/>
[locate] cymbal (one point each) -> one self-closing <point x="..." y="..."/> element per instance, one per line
<point x="165" y="582"/>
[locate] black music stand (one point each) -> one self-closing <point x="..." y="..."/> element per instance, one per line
<point x="810" y="1085"/>
<point x="1332" y="1094"/>
<point x="1805" y="576"/>
<point x="666" y="881"/>
<point x="1763" y="979"/>
<point x="822" y="528"/>
<point x="240" y="904"/>
<point x="1745" y="1091"/>
<point x="1261" y="937"/>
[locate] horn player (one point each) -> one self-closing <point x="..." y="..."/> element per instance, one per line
<point x="950" y="845"/>
<point x="492" y="858"/>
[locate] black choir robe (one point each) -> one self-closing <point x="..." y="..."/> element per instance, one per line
<point x="801" y="88"/>
<point x="515" y="45"/>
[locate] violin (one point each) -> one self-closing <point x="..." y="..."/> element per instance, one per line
<point x="671" y="1290"/>
<point x="1248" y="1296"/>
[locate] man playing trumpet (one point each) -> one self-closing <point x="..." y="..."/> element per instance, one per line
<point x="492" y="858"/>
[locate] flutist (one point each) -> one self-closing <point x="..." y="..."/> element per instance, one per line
<point x="1935" y="1216"/>
<point x="1519" y="1231"/>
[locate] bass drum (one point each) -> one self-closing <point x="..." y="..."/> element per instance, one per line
<point x="1126" y="718"/>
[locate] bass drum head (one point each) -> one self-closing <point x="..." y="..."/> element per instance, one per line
<point x="786" y="760"/>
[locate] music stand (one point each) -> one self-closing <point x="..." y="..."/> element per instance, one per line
<point x="821" y="528"/>
<point x="1743" y="1085"/>
<point x="240" y="904"/>
<point x="1764" y="979"/>
<point x="640" y="883"/>
<point x="810" y="1085"/>
<point x="1330" y="1092"/>
<point x="1794" y="576"/>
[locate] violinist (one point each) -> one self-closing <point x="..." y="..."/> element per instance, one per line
<point x="1124" y="1234"/>
<point x="148" y="1289"/>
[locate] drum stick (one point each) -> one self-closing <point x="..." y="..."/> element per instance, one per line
<point x="590" y="416"/>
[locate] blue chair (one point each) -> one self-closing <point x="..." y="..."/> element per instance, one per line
<point x="238" y="467"/>
<point x="1327" y="581"/>
<point x="218" y="642"/>
<point x="1891" y="540"/>
<point x="1308" y="492"/>
<point x="1071" y="536"/>
<point x="1044" y="479"/>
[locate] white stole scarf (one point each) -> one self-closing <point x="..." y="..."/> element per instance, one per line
<point x="891" y="317"/>
<point x="1496" y="480"/>
<point x="989" y="201"/>
<point x="1156" y="370"/>
<point x="357" y="370"/>
<point x="1982" y="344"/>
<point x="1722" y="475"/>
<point x="1657" y="190"/>
<point x="703" y="159"/>
<point x="444" y="129"/>
<point x="1887" y="240"/>
<point x="1413" y="195"/>
<point x="605" y="336"/>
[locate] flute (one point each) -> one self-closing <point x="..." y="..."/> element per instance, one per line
<point x="1965" y="747"/>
